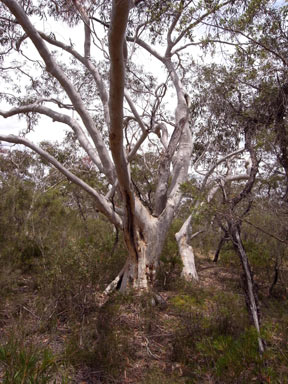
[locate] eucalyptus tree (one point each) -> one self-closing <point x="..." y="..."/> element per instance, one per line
<point x="249" y="90"/>
<point x="225" y="176"/>
<point x="257" y="71"/>
<point x="112" y="101"/>
<point x="230" y="220"/>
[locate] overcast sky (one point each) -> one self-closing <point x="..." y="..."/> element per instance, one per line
<point x="46" y="129"/>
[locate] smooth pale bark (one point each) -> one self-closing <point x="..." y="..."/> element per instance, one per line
<point x="183" y="237"/>
<point x="186" y="251"/>
<point x="132" y="234"/>
<point x="55" y="70"/>
<point x="141" y="273"/>
<point x="178" y="152"/>
<point x="103" y="205"/>
<point x="144" y="234"/>
<point x="86" y="61"/>
<point x="145" y="131"/>
<point x="62" y="118"/>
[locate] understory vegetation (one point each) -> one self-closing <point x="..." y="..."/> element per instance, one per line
<point x="57" y="326"/>
<point x="148" y="244"/>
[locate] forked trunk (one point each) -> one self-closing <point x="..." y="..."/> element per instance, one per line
<point x="140" y="273"/>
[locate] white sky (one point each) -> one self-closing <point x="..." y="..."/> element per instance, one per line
<point x="53" y="131"/>
<point x="46" y="129"/>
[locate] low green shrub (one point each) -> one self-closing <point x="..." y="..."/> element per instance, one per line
<point x="155" y="375"/>
<point x="26" y="364"/>
<point x="104" y="347"/>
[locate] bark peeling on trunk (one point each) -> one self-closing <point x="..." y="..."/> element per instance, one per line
<point x="144" y="234"/>
<point x="140" y="274"/>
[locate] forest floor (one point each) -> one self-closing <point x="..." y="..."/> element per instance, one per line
<point x="181" y="333"/>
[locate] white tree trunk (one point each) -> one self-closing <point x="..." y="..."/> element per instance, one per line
<point x="140" y="273"/>
<point x="144" y="234"/>
<point x="186" y="251"/>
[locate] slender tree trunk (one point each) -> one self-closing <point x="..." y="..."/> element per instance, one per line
<point x="220" y="245"/>
<point x="249" y="285"/>
<point x="276" y="273"/>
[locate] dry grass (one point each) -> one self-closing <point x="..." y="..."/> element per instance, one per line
<point x="129" y="339"/>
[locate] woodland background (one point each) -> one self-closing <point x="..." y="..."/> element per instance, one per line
<point x="59" y="252"/>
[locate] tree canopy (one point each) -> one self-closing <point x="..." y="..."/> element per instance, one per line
<point x="172" y="104"/>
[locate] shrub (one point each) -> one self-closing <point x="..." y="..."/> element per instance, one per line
<point x="26" y="364"/>
<point x="106" y="346"/>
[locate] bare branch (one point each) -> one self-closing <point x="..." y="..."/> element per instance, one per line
<point x="147" y="47"/>
<point x="60" y="117"/>
<point x="264" y="231"/>
<point x="220" y="161"/>
<point x="197" y="43"/>
<point x="103" y="205"/>
<point x="87" y="30"/>
<point x="225" y="180"/>
<point x="134" y="150"/>
<point x="170" y="43"/>
<point x="249" y="38"/>
<point x="199" y="20"/>
<point x="134" y="110"/>
<point x="57" y="72"/>
<point x="92" y="69"/>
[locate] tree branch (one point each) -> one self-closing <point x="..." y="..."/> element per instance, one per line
<point x="249" y="38"/>
<point x="206" y="42"/>
<point x="60" y="117"/>
<point x="212" y="169"/>
<point x="102" y="204"/>
<point x="134" y="110"/>
<point x="199" y="20"/>
<point x="92" y="69"/>
<point x="87" y="29"/>
<point x="225" y="180"/>
<point x="147" y="47"/>
<point x="57" y="72"/>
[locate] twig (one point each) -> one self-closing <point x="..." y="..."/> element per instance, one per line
<point x="266" y="233"/>
<point x="149" y="350"/>
<point x="33" y="314"/>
